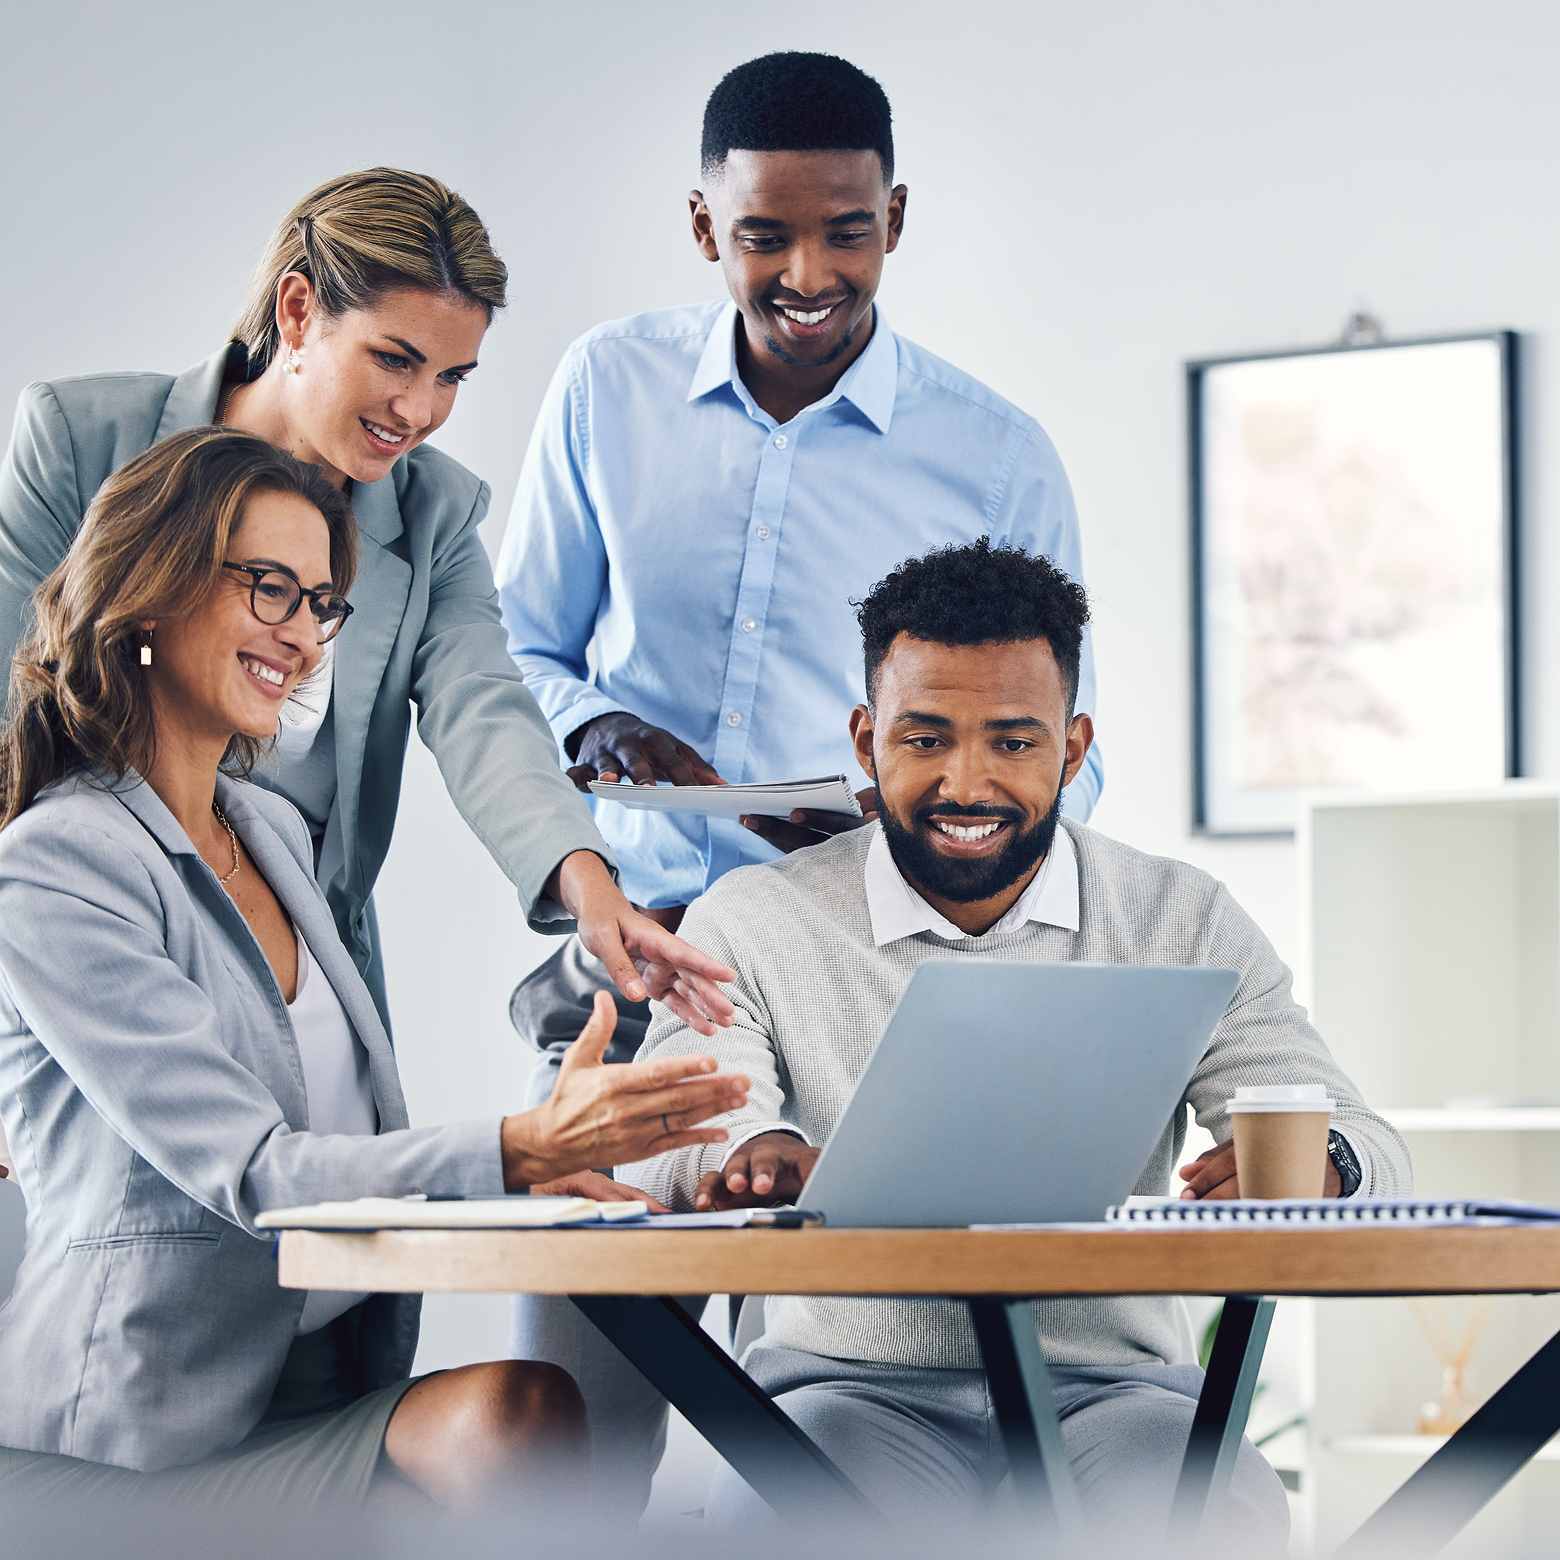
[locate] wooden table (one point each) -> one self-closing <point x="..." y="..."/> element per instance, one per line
<point x="621" y="1279"/>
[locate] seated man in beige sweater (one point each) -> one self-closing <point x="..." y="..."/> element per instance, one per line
<point x="970" y="736"/>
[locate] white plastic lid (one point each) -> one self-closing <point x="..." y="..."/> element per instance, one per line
<point x="1282" y="1097"/>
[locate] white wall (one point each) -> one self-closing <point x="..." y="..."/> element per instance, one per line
<point x="1098" y="193"/>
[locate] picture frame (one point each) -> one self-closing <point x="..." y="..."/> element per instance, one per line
<point x="1354" y="566"/>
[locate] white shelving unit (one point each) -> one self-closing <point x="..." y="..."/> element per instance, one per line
<point x="1523" y="1118"/>
<point x="1413" y="1447"/>
<point x="1430" y="959"/>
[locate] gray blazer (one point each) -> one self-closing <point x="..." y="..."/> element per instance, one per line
<point x="153" y="1096"/>
<point x="426" y="630"/>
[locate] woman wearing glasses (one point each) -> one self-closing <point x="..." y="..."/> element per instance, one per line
<point x="184" y="1041"/>
<point x="367" y="314"/>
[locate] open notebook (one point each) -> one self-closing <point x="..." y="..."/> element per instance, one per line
<point x="517" y="1213"/>
<point x="457" y="1213"/>
<point x="1327" y="1210"/>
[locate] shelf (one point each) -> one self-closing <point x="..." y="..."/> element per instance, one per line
<point x="1508" y="1118"/>
<point x="1506" y="794"/>
<point x="1415" y="1446"/>
<point x="1451" y="1021"/>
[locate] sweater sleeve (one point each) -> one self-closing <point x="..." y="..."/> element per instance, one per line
<point x="1266" y="1037"/>
<point x="745" y="1046"/>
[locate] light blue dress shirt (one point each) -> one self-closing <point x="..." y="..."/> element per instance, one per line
<point x="675" y="552"/>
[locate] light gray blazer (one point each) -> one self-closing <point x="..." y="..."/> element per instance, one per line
<point x="426" y="631"/>
<point x="153" y="1096"/>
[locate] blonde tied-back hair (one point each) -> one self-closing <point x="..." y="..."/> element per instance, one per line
<point x="151" y="546"/>
<point x="362" y="235"/>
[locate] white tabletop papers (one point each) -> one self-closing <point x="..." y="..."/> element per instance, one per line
<point x="458" y="1213"/>
<point x="772" y="799"/>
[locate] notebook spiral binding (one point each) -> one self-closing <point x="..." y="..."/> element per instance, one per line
<point x="1307" y="1210"/>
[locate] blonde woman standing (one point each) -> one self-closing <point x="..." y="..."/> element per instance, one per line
<point x="367" y="313"/>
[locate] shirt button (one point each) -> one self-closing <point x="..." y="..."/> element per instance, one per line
<point x="763" y="533"/>
<point x="781" y="441"/>
<point x="734" y="718"/>
<point x="749" y="624"/>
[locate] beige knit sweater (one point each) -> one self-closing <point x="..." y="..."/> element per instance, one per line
<point x="813" y="994"/>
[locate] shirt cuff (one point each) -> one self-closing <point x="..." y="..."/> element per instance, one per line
<point x="567" y="721"/>
<point x="759" y="1131"/>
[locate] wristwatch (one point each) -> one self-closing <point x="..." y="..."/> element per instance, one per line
<point x="1344" y="1162"/>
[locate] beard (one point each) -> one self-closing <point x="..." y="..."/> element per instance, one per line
<point x="833" y="355"/>
<point x="961" y="880"/>
<point x="785" y="355"/>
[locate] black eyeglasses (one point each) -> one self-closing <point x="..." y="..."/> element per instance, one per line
<point x="275" y="594"/>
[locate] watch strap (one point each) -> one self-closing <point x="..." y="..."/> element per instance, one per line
<point x="1345" y="1163"/>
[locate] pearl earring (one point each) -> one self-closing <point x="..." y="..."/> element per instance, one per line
<point x="294" y="358"/>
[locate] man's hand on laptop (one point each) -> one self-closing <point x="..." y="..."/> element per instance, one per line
<point x="762" y="1173"/>
<point x="804" y="828"/>
<point x="1210" y="1177"/>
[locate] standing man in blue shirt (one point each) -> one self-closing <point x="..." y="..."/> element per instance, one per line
<point x="706" y="490"/>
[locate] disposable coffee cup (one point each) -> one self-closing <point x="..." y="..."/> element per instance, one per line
<point x="1281" y="1139"/>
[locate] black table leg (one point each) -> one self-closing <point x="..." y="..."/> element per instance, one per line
<point x="727" y="1407"/>
<point x="1025" y="1407"/>
<point x="1223" y="1408"/>
<point x="1450" y="1488"/>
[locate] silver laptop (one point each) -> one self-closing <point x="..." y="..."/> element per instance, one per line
<point x="1015" y="1093"/>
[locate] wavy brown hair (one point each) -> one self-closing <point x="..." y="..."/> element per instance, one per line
<point x="361" y="235"/>
<point x="151" y="546"/>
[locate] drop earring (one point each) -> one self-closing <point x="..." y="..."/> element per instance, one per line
<point x="293" y="359"/>
<point x="146" y="651"/>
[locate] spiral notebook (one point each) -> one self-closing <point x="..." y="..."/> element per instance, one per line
<point x="1328" y="1210"/>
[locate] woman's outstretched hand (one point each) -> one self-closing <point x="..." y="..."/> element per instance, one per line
<point x="642" y="957"/>
<point x="604" y="1113"/>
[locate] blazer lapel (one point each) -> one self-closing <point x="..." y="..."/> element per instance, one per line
<point x="193" y="399"/>
<point x="138" y="798"/>
<point x="379" y="595"/>
<point x="296" y="889"/>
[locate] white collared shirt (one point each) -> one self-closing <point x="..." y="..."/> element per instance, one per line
<point x="897" y="910"/>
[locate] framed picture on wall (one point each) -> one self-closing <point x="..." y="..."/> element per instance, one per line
<point x="1354" y="550"/>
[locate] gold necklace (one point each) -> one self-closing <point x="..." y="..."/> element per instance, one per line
<point x="232" y="840"/>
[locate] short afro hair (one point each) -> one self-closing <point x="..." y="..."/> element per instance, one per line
<point x="978" y="594"/>
<point x="796" y="102"/>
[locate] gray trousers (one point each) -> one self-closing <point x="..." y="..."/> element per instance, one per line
<point x="627" y="1415"/>
<point x="924" y="1447"/>
<point x="911" y="1439"/>
<point x="551" y="1005"/>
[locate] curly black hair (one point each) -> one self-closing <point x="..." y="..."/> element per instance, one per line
<point x="796" y="102"/>
<point x="977" y="594"/>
